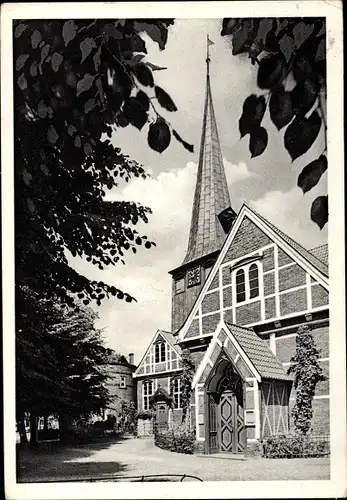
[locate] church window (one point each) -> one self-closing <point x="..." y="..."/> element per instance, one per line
<point x="177" y="393"/>
<point x="160" y="352"/>
<point x="253" y="281"/>
<point x="147" y="393"/>
<point x="122" y="383"/>
<point x="179" y="285"/>
<point x="240" y="286"/>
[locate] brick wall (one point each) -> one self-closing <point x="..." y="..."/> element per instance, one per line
<point x="117" y="393"/>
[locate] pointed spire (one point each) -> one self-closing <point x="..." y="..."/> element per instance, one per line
<point x="211" y="192"/>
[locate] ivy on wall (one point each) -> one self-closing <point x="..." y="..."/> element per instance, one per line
<point x="307" y="371"/>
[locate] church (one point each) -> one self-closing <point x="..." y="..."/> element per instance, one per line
<point x="238" y="298"/>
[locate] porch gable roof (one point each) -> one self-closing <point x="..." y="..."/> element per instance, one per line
<point x="258" y="351"/>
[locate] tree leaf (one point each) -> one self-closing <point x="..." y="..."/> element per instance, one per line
<point x="56" y="61"/>
<point x="301" y="134"/>
<point x="135" y="60"/>
<point x="320" y="211"/>
<point x="301" y="32"/>
<point x="21" y="60"/>
<point x="86" y="46"/>
<point x="229" y="26"/>
<point x="69" y="31"/>
<point x="85" y="83"/>
<point x="258" y="141"/>
<point x="142" y="97"/>
<point x="265" y="25"/>
<point x="135" y="113"/>
<point x="143" y="74"/>
<point x="33" y="69"/>
<point x="241" y="37"/>
<point x="252" y="114"/>
<point x="185" y="144"/>
<point x="271" y="71"/>
<point x="159" y="135"/>
<point x="154" y="67"/>
<point x="110" y="30"/>
<point x="164" y="99"/>
<point x="157" y="34"/>
<point x="20" y="30"/>
<point x="281" y="107"/>
<point x="22" y="82"/>
<point x="287" y="46"/>
<point x="304" y="94"/>
<point x="89" y="105"/>
<point x="311" y="174"/>
<point x="35" y="39"/>
<point x="52" y="135"/>
<point x="321" y="51"/>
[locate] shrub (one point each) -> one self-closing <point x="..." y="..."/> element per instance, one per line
<point x="296" y="446"/>
<point x="144" y="415"/>
<point x="174" y="441"/>
<point x="48" y="434"/>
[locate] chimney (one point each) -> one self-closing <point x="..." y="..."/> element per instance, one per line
<point x="131" y="358"/>
<point x="226" y="218"/>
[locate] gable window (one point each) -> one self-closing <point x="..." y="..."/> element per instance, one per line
<point x="253" y="281"/>
<point x="176" y="392"/>
<point x="122" y="383"/>
<point x="246" y="283"/>
<point x="160" y="352"/>
<point x="240" y="286"/>
<point x="147" y="393"/>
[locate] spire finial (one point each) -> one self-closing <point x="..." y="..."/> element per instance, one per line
<point x="208" y="44"/>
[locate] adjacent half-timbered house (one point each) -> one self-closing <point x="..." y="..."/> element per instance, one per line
<point x="238" y="299"/>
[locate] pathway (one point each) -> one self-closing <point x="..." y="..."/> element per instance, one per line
<point x="130" y="457"/>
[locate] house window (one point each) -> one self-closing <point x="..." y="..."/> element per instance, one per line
<point x="160" y="352"/>
<point x="147" y="393"/>
<point x="240" y="286"/>
<point x="122" y="383"/>
<point x="176" y="392"/>
<point x="253" y="281"/>
<point x="179" y="285"/>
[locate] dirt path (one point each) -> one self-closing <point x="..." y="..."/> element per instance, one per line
<point x="133" y="457"/>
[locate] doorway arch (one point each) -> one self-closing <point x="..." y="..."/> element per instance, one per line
<point x="225" y="409"/>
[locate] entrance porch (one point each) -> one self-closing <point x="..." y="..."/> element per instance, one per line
<point x="241" y="393"/>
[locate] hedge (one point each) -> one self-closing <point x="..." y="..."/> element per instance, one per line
<point x="178" y="442"/>
<point x="296" y="446"/>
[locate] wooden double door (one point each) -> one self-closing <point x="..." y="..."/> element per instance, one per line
<point x="227" y="431"/>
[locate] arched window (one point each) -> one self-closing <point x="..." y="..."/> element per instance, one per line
<point x="240" y="286"/>
<point x="253" y="281"/>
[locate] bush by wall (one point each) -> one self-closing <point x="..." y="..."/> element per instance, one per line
<point x="296" y="446"/>
<point x="175" y="441"/>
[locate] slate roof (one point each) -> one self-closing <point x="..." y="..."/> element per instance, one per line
<point x="211" y="191"/>
<point x="321" y="253"/>
<point x="172" y="339"/>
<point x="306" y="254"/>
<point x="259" y="353"/>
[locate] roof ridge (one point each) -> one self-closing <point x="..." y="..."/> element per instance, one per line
<point x="239" y="326"/>
<point x="291" y="241"/>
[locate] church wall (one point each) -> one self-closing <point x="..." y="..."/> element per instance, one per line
<point x="285" y="288"/>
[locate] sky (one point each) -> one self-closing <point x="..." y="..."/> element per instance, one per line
<point x="266" y="183"/>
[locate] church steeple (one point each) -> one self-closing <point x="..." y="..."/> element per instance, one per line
<point x="211" y="219"/>
<point x="211" y="192"/>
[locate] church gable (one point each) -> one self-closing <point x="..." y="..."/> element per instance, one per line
<point x="257" y="278"/>
<point x="161" y="356"/>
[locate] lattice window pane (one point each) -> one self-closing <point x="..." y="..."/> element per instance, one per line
<point x="253" y="281"/>
<point x="240" y="286"/>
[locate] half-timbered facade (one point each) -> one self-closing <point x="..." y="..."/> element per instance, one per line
<point x="238" y="299"/>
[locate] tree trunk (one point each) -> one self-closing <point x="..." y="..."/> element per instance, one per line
<point x="63" y="428"/>
<point x="33" y="430"/>
<point x="45" y="423"/>
<point x="21" y="429"/>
